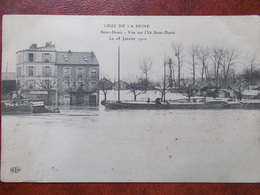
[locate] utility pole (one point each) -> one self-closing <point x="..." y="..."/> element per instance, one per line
<point x="164" y="81"/>
<point x="118" y="73"/>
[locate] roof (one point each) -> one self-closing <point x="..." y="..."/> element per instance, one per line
<point x="49" y="47"/>
<point x="250" y="92"/>
<point x="8" y="76"/>
<point x="76" y="58"/>
<point x="226" y="90"/>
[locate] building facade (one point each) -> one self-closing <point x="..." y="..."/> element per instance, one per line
<point x="77" y="77"/>
<point x="57" y="77"/>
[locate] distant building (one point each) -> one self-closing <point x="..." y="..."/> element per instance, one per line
<point x="123" y="85"/>
<point x="250" y="94"/>
<point x="57" y="77"/>
<point x="8" y="84"/>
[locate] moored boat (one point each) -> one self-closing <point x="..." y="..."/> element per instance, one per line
<point x="26" y="107"/>
<point x="16" y="107"/>
<point x="214" y="104"/>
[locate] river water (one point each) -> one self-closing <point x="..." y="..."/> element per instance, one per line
<point x="92" y="144"/>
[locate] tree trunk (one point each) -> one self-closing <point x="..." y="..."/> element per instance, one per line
<point x="48" y="98"/>
<point x="135" y="96"/>
<point x="179" y="74"/>
<point x="105" y="95"/>
<point x="202" y="73"/>
<point x="193" y="68"/>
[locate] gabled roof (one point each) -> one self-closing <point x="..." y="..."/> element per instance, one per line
<point x="76" y="58"/>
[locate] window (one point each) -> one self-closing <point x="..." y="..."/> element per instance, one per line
<point x="46" y="57"/>
<point x="80" y="72"/>
<point x="31" y="71"/>
<point x="85" y="58"/>
<point x="66" y="85"/>
<point x="80" y="85"/>
<point x="93" y="72"/>
<point x="30" y="57"/>
<point x="19" y="71"/>
<point x="66" y="72"/>
<point x="46" y="71"/>
<point x="66" y="58"/>
<point x="93" y="86"/>
<point x="30" y="84"/>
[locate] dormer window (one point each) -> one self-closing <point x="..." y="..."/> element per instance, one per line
<point x="85" y="58"/>
<point x="66" y="58"/>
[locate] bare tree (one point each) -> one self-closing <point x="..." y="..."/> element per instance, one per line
<point x="160" y="87"/>
<point x="105" y="84"/>
<point x="48" y="86"/>
<point x="203" y="55"/>
<point x="136" y="85"/>
<point x="178" y="49"/>
<point x="193" y="53"/>
<point x="216" y="57"/>
<point x="171" y="77"/>
<point x="239" y="81"/>
<point x="18" y="89"/>
<point x="146" y="67"/>
<point x="76" y="89"/>
<point x="229" y="59"/>
<point x="251" y="74"/>
<point x="189" y="88"/>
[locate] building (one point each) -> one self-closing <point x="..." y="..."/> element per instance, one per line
<point x="123" y="85"/>
<point x="8" y="85"/>
<point x="77" y="77"/>
<point x="57" y="77"/>
<point x="36" y="72"/>
<point x="250" y="94"/>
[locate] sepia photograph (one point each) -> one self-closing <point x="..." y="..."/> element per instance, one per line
<point x="130" y="99"/>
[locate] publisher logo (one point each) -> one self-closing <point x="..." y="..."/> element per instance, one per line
<point x="15" y="169"/>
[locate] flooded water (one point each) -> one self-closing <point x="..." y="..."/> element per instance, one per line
<point x="94" y="144"/>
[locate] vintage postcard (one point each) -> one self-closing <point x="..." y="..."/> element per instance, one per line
<point x="130" y="99"/>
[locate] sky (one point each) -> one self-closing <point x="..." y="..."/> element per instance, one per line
<point x="100" y="34"/>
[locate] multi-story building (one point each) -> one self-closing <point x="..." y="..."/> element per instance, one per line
<point x="57" y="77"/>
<point x="77" y="77"/>
<point x="36" y="72"/>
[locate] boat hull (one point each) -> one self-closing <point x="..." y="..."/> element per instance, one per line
<point x="21" y="109"/>
<point x="207" y="105"/>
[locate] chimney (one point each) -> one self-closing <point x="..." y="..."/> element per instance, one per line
<point x="33" y="46"/>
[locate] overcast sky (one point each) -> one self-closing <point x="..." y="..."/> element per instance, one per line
<point x="83" y="33"/>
